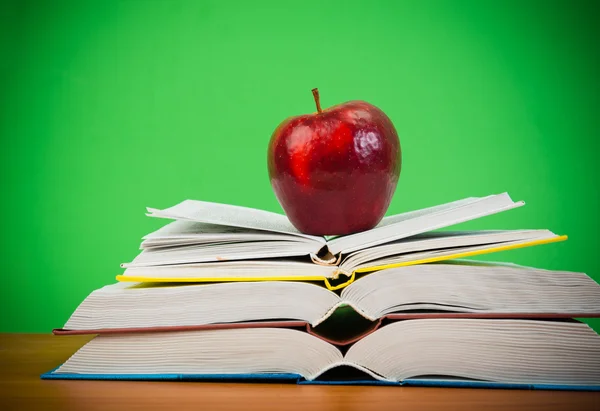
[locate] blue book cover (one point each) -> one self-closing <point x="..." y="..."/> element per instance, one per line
<point x="298" y="379"/>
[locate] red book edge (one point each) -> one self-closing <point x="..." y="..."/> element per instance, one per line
<point x="306" y="326"/>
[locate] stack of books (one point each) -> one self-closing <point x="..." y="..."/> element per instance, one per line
<point x="230" y="293"/>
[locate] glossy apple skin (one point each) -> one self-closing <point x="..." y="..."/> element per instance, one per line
<point x="335" y="172"/>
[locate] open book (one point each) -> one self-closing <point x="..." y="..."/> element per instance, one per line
<point x="218" y="242"/>
<point x="508" y="351"/>
<point x="459" y="289"/>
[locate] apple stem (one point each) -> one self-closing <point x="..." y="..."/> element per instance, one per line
<point x="315" y="92"/>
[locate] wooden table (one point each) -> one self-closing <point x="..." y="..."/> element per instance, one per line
<point x="23" y="357"/>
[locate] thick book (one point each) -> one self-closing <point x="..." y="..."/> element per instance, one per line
<point x="496" y="353"/>
<point x="460" y="289"/>
<point x="210" y="242"/>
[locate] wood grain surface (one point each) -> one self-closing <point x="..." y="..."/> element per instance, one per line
<point x="23" y="357"/>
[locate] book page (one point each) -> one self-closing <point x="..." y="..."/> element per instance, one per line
<point x="230" y="215"/>
<point x="443" y="254"/>
<point x="233" y="351"/>
<point x="393" y="219"/>
<point x="506" y="351"/>
<point x="477" y="289"/>
<point x="195" y="304"/>
<point x="219" y="252"/>
<point x="187" y="228"/>
<point x="185" y="232"/>
<point x="438" y="240"/>
<point x="421" y="221"/>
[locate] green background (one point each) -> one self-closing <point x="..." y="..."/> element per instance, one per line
<point x="107" y="107"/>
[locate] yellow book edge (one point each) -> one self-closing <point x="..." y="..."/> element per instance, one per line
<point x="351" y="278"/>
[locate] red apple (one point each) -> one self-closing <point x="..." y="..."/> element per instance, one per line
<point x="335" y="171"/>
